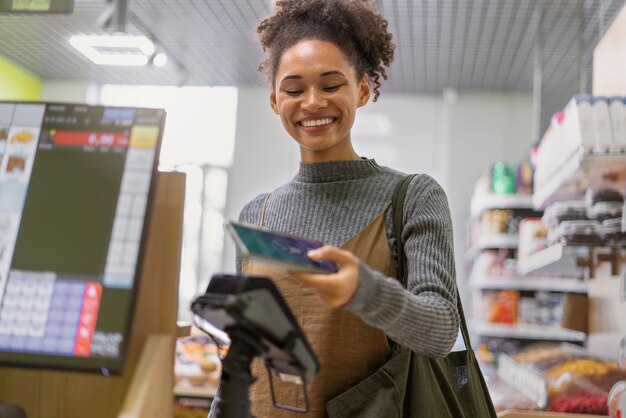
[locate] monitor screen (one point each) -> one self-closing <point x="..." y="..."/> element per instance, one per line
<point x="75" y="188"/>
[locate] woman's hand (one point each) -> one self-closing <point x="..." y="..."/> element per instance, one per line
<point x="335" y="289"/>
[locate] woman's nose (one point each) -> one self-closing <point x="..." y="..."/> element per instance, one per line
<point x="313" y="101"/>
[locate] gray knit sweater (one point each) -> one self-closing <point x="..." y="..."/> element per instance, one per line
<point x="331" y="202"/>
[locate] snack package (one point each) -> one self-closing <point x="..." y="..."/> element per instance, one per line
<point x="562" y="377"/>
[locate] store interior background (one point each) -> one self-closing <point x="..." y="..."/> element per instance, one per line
<point x="459" y="98"/>
<point x="460" y="122"/>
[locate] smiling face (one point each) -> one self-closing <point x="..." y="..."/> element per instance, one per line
<point x="316" y="95"/>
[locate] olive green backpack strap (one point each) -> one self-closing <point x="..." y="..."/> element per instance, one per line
<point x="397" y="208"/>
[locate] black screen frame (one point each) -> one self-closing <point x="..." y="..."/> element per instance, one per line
<point x="106" y="366"/>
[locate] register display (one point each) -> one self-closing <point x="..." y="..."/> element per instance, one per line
<point x="75" y="187"/>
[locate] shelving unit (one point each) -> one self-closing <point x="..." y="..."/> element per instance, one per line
<point x="570" y="285"/>
<point x="557" y="259"/>
<point x="482" y="202"/>
<point x="533" y="275"/>
<point x="487" y="241"/>
<point x="529" y="332"/>
<point x="582" y="169"/>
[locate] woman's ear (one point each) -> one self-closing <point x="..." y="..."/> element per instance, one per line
<point x="273" y="103"/>
<point x="364" y="91"/>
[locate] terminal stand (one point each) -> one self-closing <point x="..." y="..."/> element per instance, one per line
<point x="145" y="389"/>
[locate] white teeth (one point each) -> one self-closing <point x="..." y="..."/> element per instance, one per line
<point x="318" y="122"/>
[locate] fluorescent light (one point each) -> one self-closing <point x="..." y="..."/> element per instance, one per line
<point x="114" y="49"/>
<point x="159" y="59"/>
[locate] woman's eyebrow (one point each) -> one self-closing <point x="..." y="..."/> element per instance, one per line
<point x="324" y="74"/>
<point x="334" y="72"/>
<point x="291" y="77"/>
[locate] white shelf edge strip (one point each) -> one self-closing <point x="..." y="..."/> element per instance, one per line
<point x="529" y="332"/>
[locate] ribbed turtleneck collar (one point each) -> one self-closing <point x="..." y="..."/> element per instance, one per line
<point x="331" y="171"/>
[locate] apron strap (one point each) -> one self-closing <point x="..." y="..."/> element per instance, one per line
<point x="397" y="200"/>
<point x="267" y="196"/>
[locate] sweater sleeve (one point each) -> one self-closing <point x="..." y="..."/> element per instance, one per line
<point x="424" y="316"/>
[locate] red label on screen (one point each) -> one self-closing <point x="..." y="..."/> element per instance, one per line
<point x="88" y="318"/>
<point x="91" y="139"/>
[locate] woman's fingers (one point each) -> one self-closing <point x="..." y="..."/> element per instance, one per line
<point x="335" y="289"/>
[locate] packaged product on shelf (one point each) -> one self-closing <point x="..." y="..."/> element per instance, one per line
<point x="578" y="123"/>
<point x="549" y="308"/>
<point x="570" y="210"/>
<point x="574" y="312"/>
<point x="494" y="221"/>
<point x="496" y="263"/>
<point x="602" y="125"/>
<point x="524" y="178"/>
<point x="602" y="211"/>
<point x="197" y="366"/>
<point x="527" y="311"/>
<point x="502" y="179"/>
<point x="561" y="378"/>
<point x="533" y="237"/>
<point x="596" y="195"/>
<point x="617" y="114"/>
<point x="613" y="234"/>
<point x="501" y="306"/>
<point x="577" y="233"/>
<point x="617" y="400"/>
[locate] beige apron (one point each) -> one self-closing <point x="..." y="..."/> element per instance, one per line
<point x="348" y="349"/>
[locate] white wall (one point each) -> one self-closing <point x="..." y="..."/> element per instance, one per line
<point x="481" y="128"/>
<point x="70" y="91"/>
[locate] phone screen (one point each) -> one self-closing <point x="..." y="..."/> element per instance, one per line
<point x="290" y="249"/>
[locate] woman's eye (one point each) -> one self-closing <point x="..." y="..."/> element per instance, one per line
<point x="293" y="92"/>
<point x="333" y="88"/>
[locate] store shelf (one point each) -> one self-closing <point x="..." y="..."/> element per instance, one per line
<point x="487" y="241"/>
<point x="571" y="179"/>
<point x="530" y="283"/>
<point x="529" y="332"/>
<point x="558" y="259"/>
<point x="482" y="202"/>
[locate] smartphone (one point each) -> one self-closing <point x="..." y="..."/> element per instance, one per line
<point x="276" y="249"/>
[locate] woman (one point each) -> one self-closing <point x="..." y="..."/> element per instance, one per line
<point x="324" y="58"/>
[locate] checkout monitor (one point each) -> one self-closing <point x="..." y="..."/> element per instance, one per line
<point x="75" y="188"/>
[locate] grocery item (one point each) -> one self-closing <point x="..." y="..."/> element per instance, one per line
<point x="602" y="211"/>
<point x="501" y="307"/>
<point x="502" y="179"/>
<point x="617" y="400"/>
<point x="3" y="133"/>
<point x="533" y="237"/>
<point x="577" y="233"/>
<point x="613" y="234"/>
<point x="593" y="196"/>
<point x="549" y="308"/>
<point x="580" y="403"/>
<point x="562" y="377"/>
<point x="197" y="364"/>
<point x="524" y="178"/>
<point x="494" y="221"/>
<point x="572" y="210"/>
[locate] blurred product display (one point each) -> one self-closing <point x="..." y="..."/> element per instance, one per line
<point x="562" y="378"/>
<point x="533" y="311"/>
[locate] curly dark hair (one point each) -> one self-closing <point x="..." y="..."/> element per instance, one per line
<point x="355" y="26"/>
